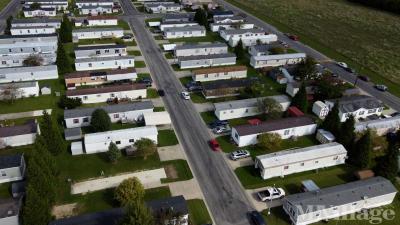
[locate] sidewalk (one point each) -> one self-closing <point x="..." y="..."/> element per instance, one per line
<point x="11" y="116"/>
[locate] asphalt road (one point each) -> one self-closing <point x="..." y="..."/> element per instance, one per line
<point x="10" y="9"/>
<point x="367" y="87"/>
<point x="223" y="193"/>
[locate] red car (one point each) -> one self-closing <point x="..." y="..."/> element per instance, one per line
<point x="214" y="145"/>
<point x="293" y="37"/>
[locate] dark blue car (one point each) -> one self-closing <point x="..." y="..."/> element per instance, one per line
<point x="256" y="218"/>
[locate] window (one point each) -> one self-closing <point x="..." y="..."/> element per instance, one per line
<point x="86" y="119"/>
<point x="316" y="162"/>
<point x="131" y="140"/>
<point x="361" y="113"/>
<point x="236" y="136"/>
<point x="85" y="97"/>
<point x="112" y="95"/>
<point x="116" y="50"/>
<point x="286" y="132"/>
<point x="75" y="121"/>
<point x="90" y="64"/>
<point x="301" y="164"/>
<point x="4" y="62"/>
<point x="118" y="142"/>
<point x="380" y="109"/>
<point x="246" y="111"/>
<point x="371" y="110"/>
<point x="116" y="116"/>
<point x="107" y="51"/>
<point x="336" y="158"/>
<point x="286" y="167"/>
<point x="99" y="95"/>
<point x="98" y="52"/>
<point x="3" y="173"/>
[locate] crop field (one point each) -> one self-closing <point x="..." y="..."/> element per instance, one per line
<point x="366" y="38"/>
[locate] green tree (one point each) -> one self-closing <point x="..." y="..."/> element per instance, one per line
<point x="332" y="120"/>
<point x="52" y="135"/>
<point x="364" y="150"/>
<point x="145" y="147"/>
<point x="201" y="17"/>
<point x="69" y="103"/>
<point x="270" y="106"/>
<point x="63" y="63"/>
<point x="269" y="141"/>
<point x="8" y="27"/>
<point x="66" y="30"/>
<point x="36" y="209"/>
<point x="347" y="136"/>
<point x="306" y="69"/>
<point x="325" y="89"/>
<point x="35" y="5"/>
<point x="138" y="214"/>
<point x="300" y="99"/>
<point x="113" y="153"/>
<point x="389" y="165"/>
<point x="277" y="50"/>
<point x="239" y="50"/>
<point x="33" y="60"/>
<point x="100" y="121"/>
<point x="129" y="191"/>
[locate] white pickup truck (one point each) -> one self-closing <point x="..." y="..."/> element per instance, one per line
<point x="271" y="193"/>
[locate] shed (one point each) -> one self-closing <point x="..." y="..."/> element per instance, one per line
<point x="294" y="111"/>
<point x="76" y="148"/>
<point x="309" y="185"/>
<point x="157" y="118"/>
<point x="320" y="109"/>
<point x="46" y="90"/>
<point x="324" y="136"/>
<point x="364" y="174"/>
<point x="169" y="47"/>
<point x="71" y="134"/>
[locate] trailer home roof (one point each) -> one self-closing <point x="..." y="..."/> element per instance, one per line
<point x="219" y="69"/>
<point x="106" y="89"/>
<point x="94" y="73"/>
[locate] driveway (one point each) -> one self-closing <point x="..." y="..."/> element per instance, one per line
<point x="239" y="163"/>
<point x="260" y="206"/>
<point x="190" y="189"/>
<point x="204" y="107"/>
<point x="171" y="153"/>
<point x="149" y="179"/>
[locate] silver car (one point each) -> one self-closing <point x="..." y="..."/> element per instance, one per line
<point x="239" y="154"/>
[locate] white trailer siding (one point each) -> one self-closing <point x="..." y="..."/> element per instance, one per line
<point x="253" y="40"/>
<point x="104" y="63"/>
<point x="41" y="22"/>
<point x="182" y="32"/>
<point x="99" y="142"/>
<point x="93" y="21"/>
<point x="163" y="26"/>
<point x="18" y="60"/>
<point x="17" y="74"/>
<point x="82" y="3"/>
<point x="200" y="49"/>
<point x="287" y="162"/>
<point x="95" y="10"/>
<point x="50" y="12"/>
<point x="28" y="44"/>
<point x="221" y="73"/>
<point x="58" y="4"/>
<point x="276" y="60"/>
<point x="95" y="51"/>
<point x="207" y="60"/>
<point x="33" y="30"/>
<point x="92" y="33"/>
<point x="24" y="89"/>
<point x="215" y="27"/>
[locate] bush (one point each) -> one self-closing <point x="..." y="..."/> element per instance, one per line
<point x="146" y="147"/>
<point x="113" y="153"/>
<point x="269" y="141"/>
<point x="69" y="103"/>
<point x="129" y="191"/>
<point x="100" y="121"/>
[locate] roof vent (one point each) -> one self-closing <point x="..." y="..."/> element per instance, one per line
<point x="365" y="197"/>
<point x="9" y="212"/>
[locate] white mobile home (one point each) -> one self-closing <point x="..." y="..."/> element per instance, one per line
<point x="18" y="59"/>
<point x="92" y="21"/>
<point x="97" y="33"/>
<point x="95" y="10"/>
<point x="276" y="60"/>
<point x="41" y="22"/>
<point x="199" y="61"/>
<point x="82" y="3"/>
<point x="96" y="77"/>
<point x="178" y="17"/>
<point x="228" y="34"/>
<point x="99" y="142"/>
<point x="131" y="112"/>
<point x="165" y="25"/>
<point x="116" y="62"/>
<point x="58" y="4"/>
<point x="17" y="74"/>
<point x="23" y="90"/>
<point x="32" y="30"/>
<point x="247" y="134"/>
<point x="246" y="107"/>
<point x="109" y="93"/>
<point x="215" y="27"/>
<point x="12" y="168"/>
<point x="219" y="73"/>
<point x="28" y="44"/>
<point x="19" y="135"/>
<point x="381" y="126"/>
<point x="253" y="40"/>
<point x="200" y="49"/>
<point x="282" y="163"/>
<point x="360" y="106"/>
<point x="94" y="51"/>
<point x="182" y="32"/>
<point x="233" y="19"/>
<point x="162" y="7"/>
<point x="49" y="12"/>
<point x="339" y="200"/>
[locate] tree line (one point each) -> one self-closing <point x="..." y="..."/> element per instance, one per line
<point x="387" y="5"/>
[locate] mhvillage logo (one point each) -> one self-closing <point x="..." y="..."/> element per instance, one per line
<point x="351" y="213"/>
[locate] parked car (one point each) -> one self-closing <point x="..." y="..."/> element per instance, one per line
<point x="185" y="95"/>
<point x="161" y="92"/>
<point x="214" y="145"/>
<point x="395" y="114"/>
<point x="221" y="129"/>
<point x="127" y="37"/>
<point x="364" y="78"/>
<point x="239" y="154"/>
<point x="284" y="44"/>
<point x="256" y="218"/>
<point x="350" y="70"/>
<point x="342" y="64"/>
<point x="293" y="37"/>
<point x="218" y="123"/>
<point x="147" y="80"/>
<point x="271" y="193"/>
<point x="194" y="86"/>
<point x="381" y="87"/>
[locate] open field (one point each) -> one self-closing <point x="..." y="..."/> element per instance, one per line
<point x="4" y="3"/>
<point x="365" y="38"/>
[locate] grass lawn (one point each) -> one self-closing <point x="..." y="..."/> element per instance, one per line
<point x="97" y="41"/>
<point x="301" y="142"/>
<point x="159" y="109"/>
<point x="152" y="93"/>
<point x="152" y="20"/>
<point x="169" y="55"/>
<point x="4" y="3"/>
<point x="208" y="116"/>
<point x="198" y="212"/>
<point x="124" y="25"/>
<point x="143" y="75"/>
<point x="326" y="22"/>
<point x="29" y="104"/>
<point x="140" y="64"/>
<point x="134" y="53"/>
<point x="197" y="97"/>
<point x="158" y="37"/>
<point x="182" y="170"/>
<point x="5" y="190"/>
<point x="167" y="138"/>
<point x="185" y="80"/>
<point x="210" y="37"/>
<point x="251" y="179"/>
